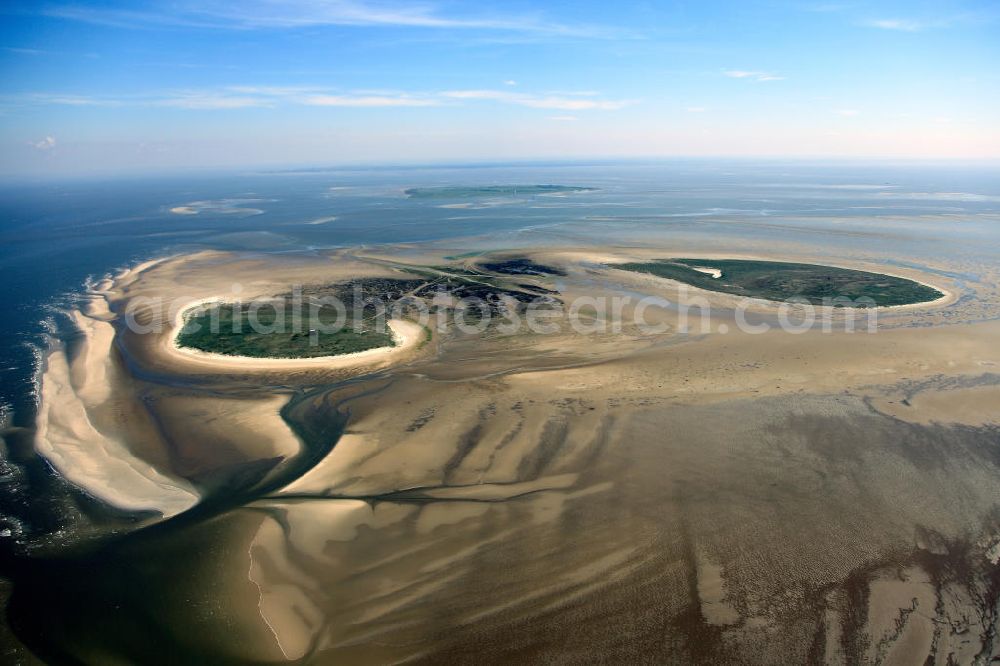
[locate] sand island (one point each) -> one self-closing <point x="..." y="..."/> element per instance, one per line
<point x="492" y="191"/>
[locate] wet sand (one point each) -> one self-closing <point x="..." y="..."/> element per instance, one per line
<point x="620" y="495"/>
<point x="85" y="422"/>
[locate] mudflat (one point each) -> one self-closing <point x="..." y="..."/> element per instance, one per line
<point x="618" y="475"/>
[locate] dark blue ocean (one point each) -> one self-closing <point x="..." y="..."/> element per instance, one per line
<point x="55" y="236"/>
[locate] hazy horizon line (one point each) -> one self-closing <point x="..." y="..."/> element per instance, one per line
<point x="288" y="168"/>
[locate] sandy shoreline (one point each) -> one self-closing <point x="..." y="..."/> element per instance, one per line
<point x="405" y="334"/>
<point x="95" y="431"/>
<point x="79" y="408"/>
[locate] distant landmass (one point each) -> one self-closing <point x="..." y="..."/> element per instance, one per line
<point x="491" y="191"/>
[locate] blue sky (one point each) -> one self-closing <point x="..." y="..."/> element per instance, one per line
<point x="107" y="86"/>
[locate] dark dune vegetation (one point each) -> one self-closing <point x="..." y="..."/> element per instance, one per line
<point x="780" y="281"/>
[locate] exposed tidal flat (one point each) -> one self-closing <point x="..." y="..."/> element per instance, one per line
<point x="660" y="484"/>
<point x="662" y="496"/>
<point x="492" y="191"/>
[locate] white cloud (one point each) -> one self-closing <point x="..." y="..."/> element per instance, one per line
<point x="905" y="25"/>
<point x="284" y="14"/>
<point x="366" y="100"/>
<point x="48" y="143"/>
<point x="22" y="51"/>
<point x="195" y="99"/>
<point x="573" y="93"/>
<point x="318" y="96"/>
<point x="760" y="77"/>
<point x="563" y="118"/>
<point x="246" y="96"/>
<point x="274" y="91"/>
<point x="210" y="101"/>
<point x="510" y="82"/>
<point x="561" y="103"/>
<point x="848" y="113"/>
<point x="68" y="100"/>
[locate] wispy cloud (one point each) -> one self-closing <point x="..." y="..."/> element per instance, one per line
<point x="562" y="103"/>
<point x="274" y="91"/>
<point x="752" y="75"/>
<point x="269" y="14"/>
<point x="564" y="118"/>
<point x="573" y="93"/>
<point x="63" y="99"/>
<point x="211" y="101"/>
<point x="23" y="51"/>
<point x="246" y="97"/>
<point x="46" y="144"/>
<point x="181" y="99"/>
<point x="227" y="98"/>
<point x="926" y="19"/>
<point x="367" y="100"/>
<point x="904" y="25"/>
<point x="847" y="113"/>
<point x="935" y="21"/>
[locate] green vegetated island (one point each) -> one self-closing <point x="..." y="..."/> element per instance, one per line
<point x="226" y="329"/>
<point x="780" y="281"/>
<point x="491" y="191"/>
<point x="283" y="327"/>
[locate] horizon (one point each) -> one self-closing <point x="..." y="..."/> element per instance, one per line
<point x="114" y="87"/>
<point x="14" y="179"/>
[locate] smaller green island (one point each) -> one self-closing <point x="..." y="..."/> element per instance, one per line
<point x="304" y="326"/>
<point x="781" y="281"/>
<point x="225" y="328"/>
<point x="491" y="191"/>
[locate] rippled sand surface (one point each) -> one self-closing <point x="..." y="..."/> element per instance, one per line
<point x="618" y="496"/>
